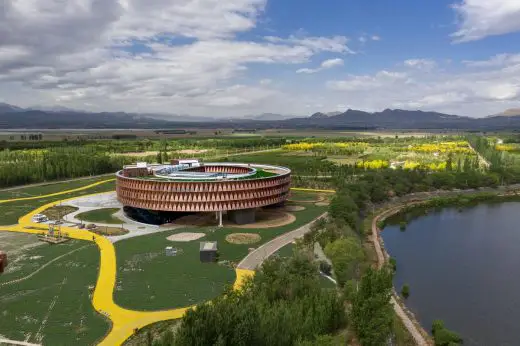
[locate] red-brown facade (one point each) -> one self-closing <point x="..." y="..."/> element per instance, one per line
<point x="204" y="196"/>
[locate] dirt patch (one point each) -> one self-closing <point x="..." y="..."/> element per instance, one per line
<point x="243" y="238"/>
<point x="268" y="218"/>
<point x="185" y="236"/>
<point x="294" y="208"/>
<point x="136" y="154"/>
<point x="322" y="204"/>
<point x="109" y="231"/>
<point x="192" y="151"/>
<point x="58" y="211"/>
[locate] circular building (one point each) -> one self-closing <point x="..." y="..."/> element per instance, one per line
<point x="160" y="193"/>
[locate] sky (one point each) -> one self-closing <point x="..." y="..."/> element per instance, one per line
<point x="227" y="58"/>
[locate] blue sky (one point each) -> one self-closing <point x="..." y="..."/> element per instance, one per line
<point x="237" y="57"/>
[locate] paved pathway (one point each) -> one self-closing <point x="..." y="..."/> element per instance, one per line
<point x="258" y="256"/>
<point x="109" y="200"/>
<point x="414" y="330"/>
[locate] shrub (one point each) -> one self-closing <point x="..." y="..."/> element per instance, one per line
<point x="443" y="336"/>
<point x="405" y="291"/>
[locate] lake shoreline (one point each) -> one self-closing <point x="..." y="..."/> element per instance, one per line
<point x="448" y="199"/>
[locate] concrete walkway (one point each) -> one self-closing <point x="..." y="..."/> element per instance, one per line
<point x="109" y="200"/>
<point x="258" y="256"/>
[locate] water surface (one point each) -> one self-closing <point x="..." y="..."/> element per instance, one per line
<point x="464" y="268"/>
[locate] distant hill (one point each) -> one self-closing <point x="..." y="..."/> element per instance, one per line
<point x="269" y="117"/>
<point x="13" y="117"/>
<point x="513" y="112"/>
<point x="7" y="108"/>
<point x="319" y="115"/>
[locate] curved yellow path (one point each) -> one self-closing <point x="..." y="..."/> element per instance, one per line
<point x="124" y="321"/>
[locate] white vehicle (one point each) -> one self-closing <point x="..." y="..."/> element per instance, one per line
<point x="39" y="218"/>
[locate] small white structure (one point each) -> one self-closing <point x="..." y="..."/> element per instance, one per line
<point x="189" y="163"/>
<point x="141" y="165"/>
<point x="171" y="251"/>
<point x="39" y="218"/>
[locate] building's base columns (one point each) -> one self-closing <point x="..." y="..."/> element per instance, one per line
<point x="242" y="217"/>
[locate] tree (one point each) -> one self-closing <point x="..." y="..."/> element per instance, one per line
<point x="372" y="312"/>
<point x="281" y="305"/>
<point x="405" y="291"/>
<point x="346" y="255"/>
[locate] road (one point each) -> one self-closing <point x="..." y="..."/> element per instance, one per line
<point x="255" y="258"/>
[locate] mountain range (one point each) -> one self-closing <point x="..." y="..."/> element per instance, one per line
<point x="13" y="117"/>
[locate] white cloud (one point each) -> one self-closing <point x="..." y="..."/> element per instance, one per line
<point x="496" y="61"/>
<point x="266" y="81"/>
<point x="376" y="38"/>
<point x="336" y="44"/>
<point x="330" y="63"/>
<point x="466" y="92"/>
<point x="131" y="55"/>
<point x="367" y="82"/>
<point x="425" y="64"/>
<point x="483" y="18"/>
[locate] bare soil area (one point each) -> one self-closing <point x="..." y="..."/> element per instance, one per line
<point x="268" y="218"/>
<point x="294" y="208"/>
<point x="243" y="238"/>
<point x="322" y="204"/>
<point x="185" y="236"/>
<point x="192" y="151"/>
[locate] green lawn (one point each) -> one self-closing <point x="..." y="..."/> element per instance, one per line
<point x="12" y="211"/>
<point x="104" y="215"/>
<point x="49" y="188"/>
<point x="305" y="197"/>
<point x="149" y="280"/>
<point x="56" y="300"/>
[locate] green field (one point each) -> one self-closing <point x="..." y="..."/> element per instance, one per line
<point x="149" y="280"/>
<point x="52" y="307"/>
<point x="12" y="211"/>
<point x="49" y="188"/>
<point x="299" y="164"/>
<point x="104" y="215"/>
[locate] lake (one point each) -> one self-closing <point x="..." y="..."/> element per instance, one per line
<point x="463" y="267"/>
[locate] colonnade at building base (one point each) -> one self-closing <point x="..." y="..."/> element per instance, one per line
<point x="157" y="217"/>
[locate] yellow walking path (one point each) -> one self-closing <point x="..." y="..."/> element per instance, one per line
<point x="124" y="321"/>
